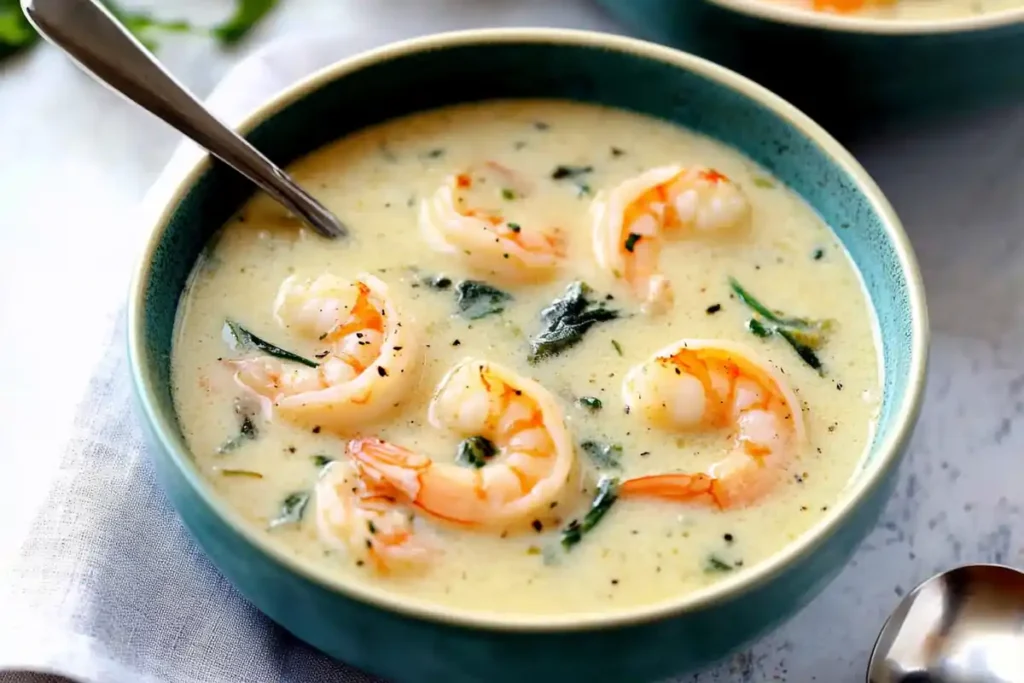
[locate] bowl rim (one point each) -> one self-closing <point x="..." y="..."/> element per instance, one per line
<point x="851" y="23"/>
<point x="165" y="429"/>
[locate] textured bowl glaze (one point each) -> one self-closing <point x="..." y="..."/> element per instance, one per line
<point x="847" y="72"/>
<point x="408" y="641"/>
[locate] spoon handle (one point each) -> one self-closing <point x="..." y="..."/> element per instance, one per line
<point x="88" y="33"/>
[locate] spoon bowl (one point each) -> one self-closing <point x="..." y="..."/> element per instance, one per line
<point x="965" y="625"/>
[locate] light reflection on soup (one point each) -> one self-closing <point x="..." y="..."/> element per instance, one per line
<point x="528" y="171"/>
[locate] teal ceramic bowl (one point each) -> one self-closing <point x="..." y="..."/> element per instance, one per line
<point x="849" y="73"/>
<point x="411" y="642"/>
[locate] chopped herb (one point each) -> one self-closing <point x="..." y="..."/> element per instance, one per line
<point x="604" y="455"/>
<point x="247" y="431"/>
<point x="758" y="329"/>
<point x="540" y="125"/>
<point x="616" y="152"/>
<point x="607" y="493"/>
<point x="508" y="193"/>
<point x="514" y="227"/>
<point x="475" y="299"/>
<point x="631" y="241"/>
<point x="241" y="473"/>
<point x="565" y="321"/>
<point x="248" y="13"/>
<point x="291" y="509"/>
<point x="818" y="254"/>
<point x="562" y="172"/>
<point x="591" y="403"/>
<point x="576" y="175"/>
<point x="322" y="461"/>
<point x="803" y="335"/>
<point x="761" y="181"/>
<point x="713" y="308"/>
<point x="617" y="346"/>
<point x="435" y="153"/>
<point x="437" y="282"/>
<point x="475" y="451"/>
<point x="238" y="338"/>
<point x="716" y="564"/>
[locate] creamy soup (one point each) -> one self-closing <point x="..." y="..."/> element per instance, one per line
<point x="926" y="10"/>
<point x="563" y="465"/>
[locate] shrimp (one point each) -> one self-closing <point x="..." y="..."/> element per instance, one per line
<point x="697" y="385"/>
<point x="631" y="222"/>
<point x="370" y="358"/>
<point x="367" y="523"/>
<point x="484" y="239"/>
<point x="534" y="461"/>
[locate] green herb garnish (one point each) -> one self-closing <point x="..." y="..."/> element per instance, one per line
<point x="617" y="346"/>
<point x="475" y="299"/>
<point x="631" y="241"/>
<point x="247" y="431"/>
<point x="437" y="282"/>
<point x="15" y="31"/>
<point x="608" y="456"/>
<point x="607" y="494"/>
<point x="241" y="473"/>
<point x="508" y="193"/>
<point x="322" y="461"/>
<point x="561" y="172"/>
<point x="565" y="321"/>
<point x="591" y="403"/>
<point x="803" y="335"/>
<point x="247" y="14"/>
<point x="763" y="182"/>
<point x="475" y="451"/>
<point x="716" y="564"/>
<point x="239" y="339"/>
<point x="291" y="509"/>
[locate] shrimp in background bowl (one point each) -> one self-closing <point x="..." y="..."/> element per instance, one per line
<point x="371" y="354"/>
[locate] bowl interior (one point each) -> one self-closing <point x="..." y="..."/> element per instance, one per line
<point x="586" y="67"/>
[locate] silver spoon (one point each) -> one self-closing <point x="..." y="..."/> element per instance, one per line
<point x="91" y="36"/>
<point x="965" y="625"/>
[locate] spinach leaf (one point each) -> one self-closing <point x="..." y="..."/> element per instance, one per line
<point x="604" y="455"/>
<point x="238" y="338"/>
<point x="591" y="403"/>
<point x="475" y="299"/>
<point x="607" y="494"/>
<point x="803" y="335"/>
<point x="565" y="321"/>
<point x="246" y="432"/>
<point x="291" y="509"/>
<point x="248" y="13"/>
<point x="475" y="451"/>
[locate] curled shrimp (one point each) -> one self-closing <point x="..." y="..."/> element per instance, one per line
<point x="367" y="523"/>
<point x="696" y="385"/>
<point x="534" y="460"/>
<point x="370" y="354"/>
<point x="632" y="221"/>
<point x="484" y="239"/>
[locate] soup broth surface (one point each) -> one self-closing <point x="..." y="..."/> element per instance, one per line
<point x="641" y="551"/>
